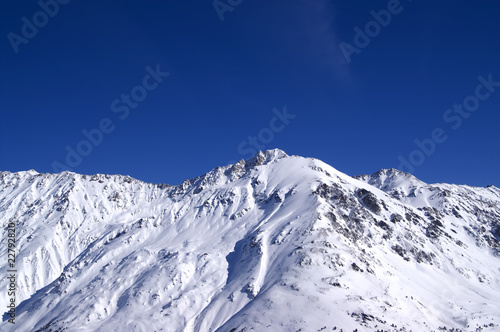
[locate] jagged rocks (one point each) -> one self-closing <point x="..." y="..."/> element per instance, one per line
<point x="114" y="197"/>
<point x="332" y="193"/>
<point x="395" y="218"/>
<point x="356" y="268"/>
<point x="332" y="281"/>
<point x="435" y="227"/>
<point x="237" y="170"/>
<point x="358" y="220"/>
<point x="366" y="319"/>
<point x="400" y="251"/>
<point x="384" y="226"/>
<point x="251" y="291"/>
<point x="278" y="197"/>
<point x="413" y="217"/>
<point x="456" y="213"/>
<point x="433" y="214"/>
<point x="239" y="214"/>
<point x="423" y="257"/>
<point x="369" y="200"/>
<point x="492" y="242"/>
<point x="433" y="231"/>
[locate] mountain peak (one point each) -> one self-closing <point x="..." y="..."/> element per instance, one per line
<point x="266" y="157"/>
<point x="387" y="179"/>
<point x="388" y="172"/>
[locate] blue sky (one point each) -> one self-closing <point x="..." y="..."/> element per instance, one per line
<point x="167" y="90"/>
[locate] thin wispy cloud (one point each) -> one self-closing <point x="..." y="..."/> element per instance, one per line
<point x="318" y="23"/>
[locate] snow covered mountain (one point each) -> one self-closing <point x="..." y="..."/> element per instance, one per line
<point x="275" y="243"/>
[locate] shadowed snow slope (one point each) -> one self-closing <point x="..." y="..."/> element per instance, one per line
<point x="275" y="243"/>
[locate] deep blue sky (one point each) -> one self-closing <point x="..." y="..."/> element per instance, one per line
<point x="226" y="77"/>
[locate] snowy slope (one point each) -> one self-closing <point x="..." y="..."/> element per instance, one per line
<point x="275" y="243"/>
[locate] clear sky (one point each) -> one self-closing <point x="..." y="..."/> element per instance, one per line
<point x="167" y="90"/>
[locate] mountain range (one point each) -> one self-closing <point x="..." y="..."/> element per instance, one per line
<point x="273" y="243"/>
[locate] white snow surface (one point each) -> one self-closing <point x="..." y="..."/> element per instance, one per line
<point x="275" y="243"/>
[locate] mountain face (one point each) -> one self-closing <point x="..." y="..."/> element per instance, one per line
<point x="275" y="243"/>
